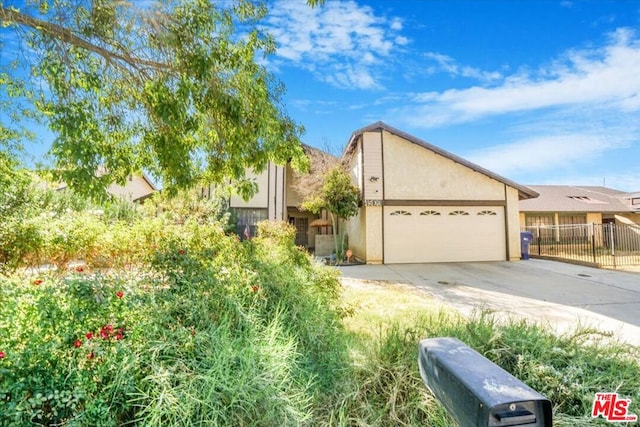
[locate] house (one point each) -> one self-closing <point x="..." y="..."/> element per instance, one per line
<point x="561" y="209"/>
<point x="278" y="200"/>
<point x="423" y="204"/>
<point x="419" y="203"/>
<point x="137" y="189"/>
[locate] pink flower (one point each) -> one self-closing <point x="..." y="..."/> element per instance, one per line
<point x="2" y="355"/>
<point x="89" y="335"/>
<point x="118" y="337"/>
<point x="119" y="294"/>
<point x="77" y="344"/>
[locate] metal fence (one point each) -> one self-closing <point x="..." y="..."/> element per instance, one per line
<point x="604" y="245"/>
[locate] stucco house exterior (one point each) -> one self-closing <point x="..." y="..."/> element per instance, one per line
<point x="419" y="203"/>
<point x="278" y="200"/>
<point x="424" y="204"/>
<point x="136" y="189"/>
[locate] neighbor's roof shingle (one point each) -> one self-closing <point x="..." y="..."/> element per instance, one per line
<point x="569" y="198"/>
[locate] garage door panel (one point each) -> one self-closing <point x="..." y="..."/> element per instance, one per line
<point x="444" y="234"/>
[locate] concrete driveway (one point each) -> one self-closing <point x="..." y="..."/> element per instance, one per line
<point x="558" y="294"/>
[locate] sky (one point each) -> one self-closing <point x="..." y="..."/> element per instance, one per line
<point x="538" y="91"/>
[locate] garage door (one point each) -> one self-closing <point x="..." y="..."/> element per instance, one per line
<point x="444" y="234"/>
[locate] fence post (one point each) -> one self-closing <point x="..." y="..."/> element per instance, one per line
<point x="612" y="243"/>
<point x="593" y="241"/>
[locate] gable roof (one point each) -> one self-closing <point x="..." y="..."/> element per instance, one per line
<point x="523" y="192"/>
<point x="575" y="198"/>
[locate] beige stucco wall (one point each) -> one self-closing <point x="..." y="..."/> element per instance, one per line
<point x="372" y="165"/>
<point x="374" y="241"/>
<point x="594" y="218"/>
<point x="271" y="192"/>
<point x="135" y="188"/>
<point x="512" y="211"/>
<point x="357" y="238"/>
<point x="259" y="200"/>
<point x="437" y="178"/>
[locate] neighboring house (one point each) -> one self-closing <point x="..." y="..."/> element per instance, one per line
<point x="560" y="207"/>
<point x="137" y="189"/>
<point x="423" y="204"/>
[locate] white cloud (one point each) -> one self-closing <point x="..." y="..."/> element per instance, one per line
<point x="598" y="77"/>
<point x="340" y="42"/>
<point x="543" y="152"/>
<point x="447" y="64"/>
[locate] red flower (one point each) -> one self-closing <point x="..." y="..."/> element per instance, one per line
<point x="2" y="354"/>
<point x="38" y="282"/>
<point x="89" y="335"/>
<point x="118" y="337"/>
<point x="90" y="355"/>
<point x="77" y="344"/>
<point x="120" y="294"/>
<point x="181" y="251"/>
<point x="79" y="269"/>
<point x="104" y="334"/>
<point x="255" y="288"/>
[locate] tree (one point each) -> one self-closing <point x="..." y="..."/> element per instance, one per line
<point x="340" y="198"/>
<point x="175" y="88"/>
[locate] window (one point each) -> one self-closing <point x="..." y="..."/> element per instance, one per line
<point x="635" y="201"/>
<point x="486" y="213"/>
<point x="404" y="213"/>
<point x="249" y="217"/>
<point x="573" y="228"/>
<point x="458" y="213"/>
<point x="587" y="199"/>
<point x="429" y="213"/>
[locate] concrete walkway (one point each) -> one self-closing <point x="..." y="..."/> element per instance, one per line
<point x="560" y="295"/>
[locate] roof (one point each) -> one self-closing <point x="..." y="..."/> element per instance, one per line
<point x="573" y="198"/>
<point x="523" y="192"/>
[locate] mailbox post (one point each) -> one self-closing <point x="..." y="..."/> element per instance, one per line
<point x="476" y="391"/>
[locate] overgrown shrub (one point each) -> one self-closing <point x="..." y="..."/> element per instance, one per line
<point x="217" y="332"/>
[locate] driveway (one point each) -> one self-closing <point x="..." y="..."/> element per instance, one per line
<point x="558" y="294"/>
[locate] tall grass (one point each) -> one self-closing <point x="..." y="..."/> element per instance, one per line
<point x="386" y="388"/>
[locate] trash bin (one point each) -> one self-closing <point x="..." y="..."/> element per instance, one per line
<point x="526" y="237"/>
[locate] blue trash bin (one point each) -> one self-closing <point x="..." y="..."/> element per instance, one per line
<point x="526" y="237"/>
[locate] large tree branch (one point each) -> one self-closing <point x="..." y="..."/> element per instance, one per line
<point x="68" y="36"/>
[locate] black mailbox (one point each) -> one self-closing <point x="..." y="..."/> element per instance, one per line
<point x="476" y="391"/>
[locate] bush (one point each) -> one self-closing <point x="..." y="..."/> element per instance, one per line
<point x="218" y="331"/>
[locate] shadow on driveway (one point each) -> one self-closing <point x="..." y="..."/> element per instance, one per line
<point x="564" y="295"/>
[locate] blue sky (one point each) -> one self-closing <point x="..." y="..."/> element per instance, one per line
<point x="541" y="92"/>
